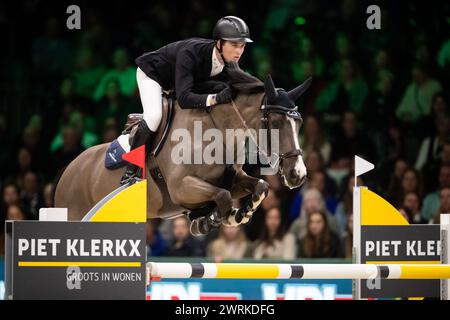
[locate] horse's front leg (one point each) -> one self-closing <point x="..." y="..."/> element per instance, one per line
<point x="243" y="185"/>
<point x="193" y="191"/>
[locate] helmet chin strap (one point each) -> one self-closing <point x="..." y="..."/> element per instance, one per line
<point x="221" y="52"/>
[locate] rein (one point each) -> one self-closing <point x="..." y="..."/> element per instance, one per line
<point x="266" y="110"/>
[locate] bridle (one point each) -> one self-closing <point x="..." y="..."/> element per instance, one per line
<point x="266" y="110"/>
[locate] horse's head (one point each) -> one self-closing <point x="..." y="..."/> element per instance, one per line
<point x="280" y="112"/>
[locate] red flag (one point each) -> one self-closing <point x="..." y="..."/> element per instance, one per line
<point x="136" y="157"/>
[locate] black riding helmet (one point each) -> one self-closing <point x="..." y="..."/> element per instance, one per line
<point x="231" y="28"/>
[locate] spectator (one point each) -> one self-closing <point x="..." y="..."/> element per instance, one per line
<point x="319" y="241"/>
<point x="416" y="101"/>
<point x="68" y="99"/>
<point x="254" y="228"/>
<point x="313" y="201"/>
<point x="433" y="145"/>
<point x="275" y="242"/>
<point x="48" y="195"/>
<point x="410" y="182"/>
<point x="114" y="104"/>
<point x="10" y="197"/>
<point x="70" y="149"/>
<point x="344" y="208"/>
<point x="32" y="140"/>
<point x="439" y="109"/>
<point x="432" y="169"/>
<point x="379" y="110"/>
<point x="302" y="71"/>
<point x="184" y="244"/>
<point x="381" y="61"/>
<point x="394" y="186"/>
<point x="444" y="205"/>
<point x="318" y="178"/>
<point x="51" y="52"/>
<point x="156" y="245"/>
<point x="123" y="72"/>
<point x="348" y="93"/>
<point x="350" y="141"/>
<point x="410" y="208"/>
<point x="394" y="145"/>
<point x="5" y="162"/>
<point x="307" y="52"/>
<point x="313" y="138"/>
<point x="231" y="244"/>
<point x="314" y="161"/>
<point x="319" y="181"/>
<point x="347" y="239"/>
<point x="31" y="197"/>
<point x="443" y="56"/>
<point x="15" y="212"/>
<point x="84" y="127"/>
<point x="431" y="201"/>
<point x="110" y="132"/>
<point x="87" y="74"/>
<point x="24" y="161"/>
<point x="96" y="36"/>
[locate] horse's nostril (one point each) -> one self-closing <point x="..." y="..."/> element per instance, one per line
<point x="294" y="173"/>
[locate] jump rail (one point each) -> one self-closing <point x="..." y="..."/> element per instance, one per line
<point x="296" y="271"/>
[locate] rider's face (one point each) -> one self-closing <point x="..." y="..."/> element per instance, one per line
<point x="233" y="50"/>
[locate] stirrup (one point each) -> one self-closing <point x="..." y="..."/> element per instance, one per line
<point x="130" y="179"/>
<point x="131" y="176"/>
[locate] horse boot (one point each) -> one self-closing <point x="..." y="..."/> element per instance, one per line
<point x="143" y="136"/>
<point x="203" y="225"/>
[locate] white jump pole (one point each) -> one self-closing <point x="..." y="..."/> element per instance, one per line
<point x="445" y="253"/>
<point x="296" y="271"/>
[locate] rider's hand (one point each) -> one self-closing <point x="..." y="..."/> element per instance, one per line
<point x="224" y="96"/>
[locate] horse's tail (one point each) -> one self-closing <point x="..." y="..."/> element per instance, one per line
<point x="55" y="183"/>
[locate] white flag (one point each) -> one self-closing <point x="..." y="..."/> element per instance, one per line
<point x="362" y="166"/>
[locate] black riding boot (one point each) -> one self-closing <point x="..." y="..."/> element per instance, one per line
<point x="143" y="136"/>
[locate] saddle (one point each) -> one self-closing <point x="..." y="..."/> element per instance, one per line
<point x="168" y="112"/>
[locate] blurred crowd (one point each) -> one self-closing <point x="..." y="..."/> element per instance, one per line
<point x="380" y="94"/>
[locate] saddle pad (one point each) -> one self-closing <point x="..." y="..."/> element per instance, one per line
<point x="113" y="156"/>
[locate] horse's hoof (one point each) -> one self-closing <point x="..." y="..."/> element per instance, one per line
<point x="199" y="227"/>
<point x="230" y="221"/>
<point x="238" y="217"/>
<point x="246" y="217"/>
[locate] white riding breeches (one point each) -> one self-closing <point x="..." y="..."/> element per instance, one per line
<point x="151" y="98"/>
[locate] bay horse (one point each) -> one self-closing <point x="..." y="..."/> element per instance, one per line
<point x="256" y="105"/>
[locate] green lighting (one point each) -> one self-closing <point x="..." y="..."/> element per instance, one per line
<point x="299" y="21"/>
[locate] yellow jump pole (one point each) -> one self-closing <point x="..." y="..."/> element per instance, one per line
<point x="296" y="271"/>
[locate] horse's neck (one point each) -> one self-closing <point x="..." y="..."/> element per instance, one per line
<point x="248" y="108"/>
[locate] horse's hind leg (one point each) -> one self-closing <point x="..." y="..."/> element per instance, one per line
<point x="193" y="191"/>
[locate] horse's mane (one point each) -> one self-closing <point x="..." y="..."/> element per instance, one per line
<point x="242" y="81"/>
<point x="238" y="79"/>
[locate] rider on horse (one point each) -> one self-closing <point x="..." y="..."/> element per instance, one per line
<point x="180" y="66"/>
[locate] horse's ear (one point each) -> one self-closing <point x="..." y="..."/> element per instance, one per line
<point x="269" y="88"/>
<point x="295" y="93"/>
